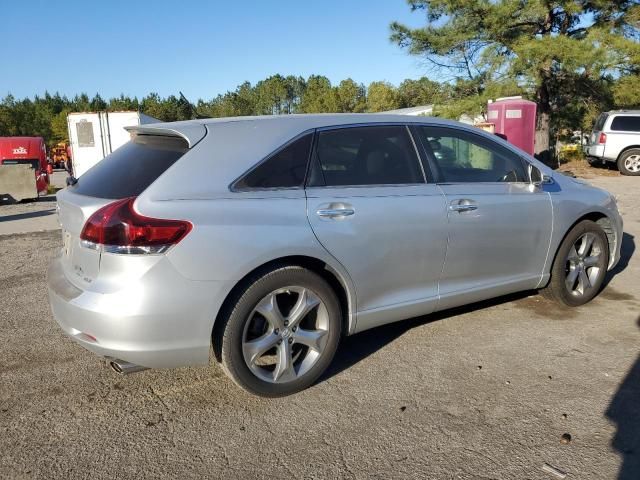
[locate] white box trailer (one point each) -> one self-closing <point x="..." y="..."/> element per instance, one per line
<point x="93" y="136"/>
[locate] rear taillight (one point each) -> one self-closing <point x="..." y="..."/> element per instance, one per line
<point x="602" y="139"/>
<point x="118" y="228"/>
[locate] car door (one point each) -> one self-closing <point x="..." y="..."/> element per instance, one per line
<point x="369" y="205"/>
<point x="499" y="223"/>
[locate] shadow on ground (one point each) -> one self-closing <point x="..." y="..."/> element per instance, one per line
<point x="22" y="216"/>
<point x="624" y="412"/>
<point x="627" y="250"/>
<point x="355" y="348"/>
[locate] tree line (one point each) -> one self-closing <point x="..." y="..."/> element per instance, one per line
<point x="46" y="115"/>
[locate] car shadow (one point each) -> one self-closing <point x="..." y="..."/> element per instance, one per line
<point x="355" y="348"/>
<point x="22" y="216"/>
<point x="627" y="249"/>
<point x="624" y="412"/>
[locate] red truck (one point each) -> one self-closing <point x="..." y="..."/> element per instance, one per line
<point x="26" y="151"/>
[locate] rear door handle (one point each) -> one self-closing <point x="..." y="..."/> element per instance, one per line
<point x="463" y="205"/>
<point x="335" y="212"/>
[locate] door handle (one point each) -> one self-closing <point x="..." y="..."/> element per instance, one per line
<point x="335" y="212"/>
<point x="463" y="205"/>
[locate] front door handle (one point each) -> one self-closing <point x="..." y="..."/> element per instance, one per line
<point x="463" y="205"/>
<point x="335" y="212"/>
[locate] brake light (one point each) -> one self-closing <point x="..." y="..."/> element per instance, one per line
<point x="602" y="139"/>
<point x="118" y="228"/>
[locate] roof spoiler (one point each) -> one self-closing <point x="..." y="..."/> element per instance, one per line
<point x="191" y="132"/>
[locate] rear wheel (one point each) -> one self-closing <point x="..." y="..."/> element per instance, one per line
<point x="629" y="162"/>
<point x="580" y="265"/>
<point x="282" y="332"/>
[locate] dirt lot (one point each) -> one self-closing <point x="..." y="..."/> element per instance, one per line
<point x="486" y="391"/>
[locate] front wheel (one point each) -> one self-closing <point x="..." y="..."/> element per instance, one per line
<point x="580" y="265"/>
<point x="282" y="333"/>
<point x="629" y="162"/>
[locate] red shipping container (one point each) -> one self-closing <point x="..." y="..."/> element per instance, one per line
<point x="515" y="120"/>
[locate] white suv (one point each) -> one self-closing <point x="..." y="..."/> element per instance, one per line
<point x="616" y="139"/>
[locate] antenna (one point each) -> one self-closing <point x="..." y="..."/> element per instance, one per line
<point x="194" y="112"/>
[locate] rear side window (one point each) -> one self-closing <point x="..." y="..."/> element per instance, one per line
<point x="625" y="123"/>
<point x="382" y="155"/>
<point x="599" y="125"/>
<point x="284" y="169"/>
<point x="129" y="170"/>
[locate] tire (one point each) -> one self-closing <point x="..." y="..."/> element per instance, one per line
<point x="629" y="162"/>
<point x="580" y="265"/>
<point x="282" y="332"/>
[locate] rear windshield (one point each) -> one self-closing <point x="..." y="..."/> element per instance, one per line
<point x="625" y="123"/>
<point x="600" y="122"/>
<point x="129" y="170"/>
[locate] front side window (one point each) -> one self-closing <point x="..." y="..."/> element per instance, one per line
<point x="284" y="169"/>
<point x="463" y="157"/>
<point x="625" y="123"/>
<point x="377" y="155"/>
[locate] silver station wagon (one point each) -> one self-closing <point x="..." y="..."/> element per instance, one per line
<point x="262" y="241"/>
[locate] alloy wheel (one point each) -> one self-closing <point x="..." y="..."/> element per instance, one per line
<point x="285" y="334"/>
<point x="632" y="163"/>
<point x="583" y="266"/>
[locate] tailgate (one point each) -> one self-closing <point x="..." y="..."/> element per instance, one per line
<point x="80" y="264"/>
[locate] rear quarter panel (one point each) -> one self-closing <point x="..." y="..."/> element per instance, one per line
<point x="236" y="234"/>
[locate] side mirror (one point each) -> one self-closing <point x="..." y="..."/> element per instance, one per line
<point x="537" y="177"/>
<point x="435" y="145"/>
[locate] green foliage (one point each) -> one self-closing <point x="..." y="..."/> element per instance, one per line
<point x="382" y="96"/>
<point x="352" y="96"/>
<point x="578" y="103"/>
<point x="319" y="96"/>
<point x="421" y="92"/>
<point x="626" y="92"/>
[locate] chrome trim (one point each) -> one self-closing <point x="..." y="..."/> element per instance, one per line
<point x="335" y="212"/>
<point x="126" y="249"/>
<point x="124" y="368"/>
<point x="132" y="250"/>
<point x="463" y="207"/>
<point x="417" y="151"/>
<point x="89" y="245"/>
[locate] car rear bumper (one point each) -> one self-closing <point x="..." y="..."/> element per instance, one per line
<point x="596" y="151"/>
<point x="160" y="320"/>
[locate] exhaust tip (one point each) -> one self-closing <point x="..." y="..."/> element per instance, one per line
<point x="125" y="368"/>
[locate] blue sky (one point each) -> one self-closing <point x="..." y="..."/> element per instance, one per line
<point x="201" y="48"/>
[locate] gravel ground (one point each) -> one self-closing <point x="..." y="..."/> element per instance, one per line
<point x="485" y="391"/>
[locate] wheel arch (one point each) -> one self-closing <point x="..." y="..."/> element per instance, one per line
<point x="625" y="150"/>
<point x="332" y="276"/>
<point x="600" y="218"/>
